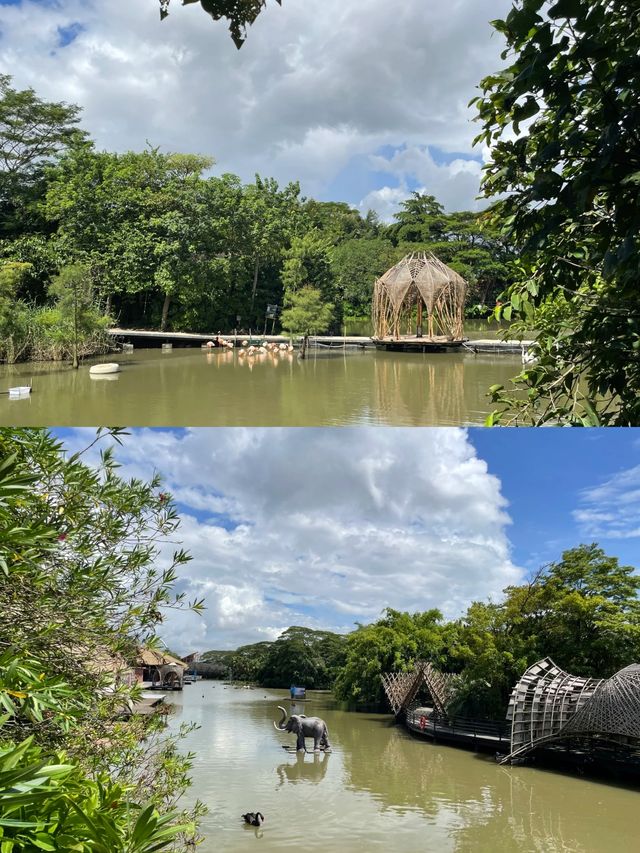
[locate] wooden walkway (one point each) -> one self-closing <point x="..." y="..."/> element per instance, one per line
<point x="150" y="338"/>
<point x="478" y="734"/>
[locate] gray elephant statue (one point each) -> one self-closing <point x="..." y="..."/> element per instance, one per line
<point x="305" y="727"/>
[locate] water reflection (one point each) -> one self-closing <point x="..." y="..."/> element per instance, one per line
<point x="221" y="387"/>
<point x="305" y="768"/>
<point x="382" y="789"/>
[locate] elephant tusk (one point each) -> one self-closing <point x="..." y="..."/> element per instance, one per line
<point x="280" y="727"/>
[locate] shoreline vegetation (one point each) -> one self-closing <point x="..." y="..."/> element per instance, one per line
<point x="155" y="240"/>
<point x="84" y="578"/>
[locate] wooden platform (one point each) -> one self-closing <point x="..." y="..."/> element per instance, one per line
<point x="408" y="343"/>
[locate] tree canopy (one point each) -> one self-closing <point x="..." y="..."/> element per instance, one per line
<point x="239" y="13"/>
<point x="561" y="123"/>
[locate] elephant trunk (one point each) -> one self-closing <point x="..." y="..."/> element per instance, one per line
<point x="280" y="726"/>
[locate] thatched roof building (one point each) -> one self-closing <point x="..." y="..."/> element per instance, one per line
<point x="419" y="284"/>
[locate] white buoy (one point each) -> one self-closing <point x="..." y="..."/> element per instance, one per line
<point x="104" y="368"/>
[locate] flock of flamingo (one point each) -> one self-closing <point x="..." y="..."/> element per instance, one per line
<point x="249" y="352"/>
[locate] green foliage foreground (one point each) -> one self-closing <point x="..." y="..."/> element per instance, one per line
<point x="81" y="586"/>
<point x="561" y="121"/>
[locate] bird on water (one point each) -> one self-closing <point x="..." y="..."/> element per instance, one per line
<point x="254" y="818"/>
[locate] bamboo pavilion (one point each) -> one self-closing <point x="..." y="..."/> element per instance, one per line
<point x="419" y="291"/>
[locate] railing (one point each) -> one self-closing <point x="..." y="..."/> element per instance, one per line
<point x="459" y="727"/>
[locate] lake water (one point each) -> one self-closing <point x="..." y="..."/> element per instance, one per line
<point x="193" y="387"/>
<point x="380" y="788"/>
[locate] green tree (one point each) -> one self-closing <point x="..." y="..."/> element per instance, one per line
<point x="306" y="314"/>
<point x="305" y="657"/>
<point x="356" y="265"/>
<point x="33" y="132"/>
<point x="418" y="219"/>
<point x="582" y="611"/>
<point x="247" y="662"/>
<point x="269" y="218"/>
<point x="84" y="580"/>
<point x="78" y="318"/>
<point x="561" y="122"/>
<point x="393" y="644"/>
<point x="239" y="13"/>
<point x="307" y="262"/>
<point x="13" y="320"/>
<point x="140" y="220"/>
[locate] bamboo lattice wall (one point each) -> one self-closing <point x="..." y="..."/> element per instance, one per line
<point x="419" y="281"/>
<point x="401" y="688"/>
<point x="548" y="704"/>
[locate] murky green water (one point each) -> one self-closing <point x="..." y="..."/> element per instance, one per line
<point x="191" y="387"/>
<point x="381" y="789"/>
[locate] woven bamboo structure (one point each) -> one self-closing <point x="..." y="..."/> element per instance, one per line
<point x="401" y="688"/>
<point x="548" y="705"/>
<point x="419" y="283"/>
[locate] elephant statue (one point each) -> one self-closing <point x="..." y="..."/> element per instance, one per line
<point x="304" y="727"/>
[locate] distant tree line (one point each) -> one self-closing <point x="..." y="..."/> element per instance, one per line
<point x="151" y="239"/>
<point x="583" y="611"/>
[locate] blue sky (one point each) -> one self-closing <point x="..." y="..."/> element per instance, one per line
<point x="327" y="527"/>
<point x="548" y="475"/>
<point x="305" y="99"/>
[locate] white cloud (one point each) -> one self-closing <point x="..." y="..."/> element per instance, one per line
<point x="612" y="509"/>
<point x="317" y="83"/>
<point x="336" y="525"/>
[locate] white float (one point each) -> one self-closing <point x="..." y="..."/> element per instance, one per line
<point x="19" y="391"/>
<point x="104" y="369"/>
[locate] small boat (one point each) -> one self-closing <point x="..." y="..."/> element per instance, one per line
<point x="104" y="368"/>
<point x="19" y="392"/>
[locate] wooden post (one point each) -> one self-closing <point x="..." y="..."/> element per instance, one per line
<point x="419" y="325"/>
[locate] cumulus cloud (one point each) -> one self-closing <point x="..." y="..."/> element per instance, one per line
<point x="612" y="509"/>
<point x="318" y="82"/>
<point x="330" y="526"/>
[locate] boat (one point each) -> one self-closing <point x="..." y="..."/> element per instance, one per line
<point x="19" y="391"/>
<point x="104" y="368"/>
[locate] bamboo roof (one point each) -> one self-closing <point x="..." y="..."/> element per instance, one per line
<point x="426" y="272"/>
<point x="548" y="704"/>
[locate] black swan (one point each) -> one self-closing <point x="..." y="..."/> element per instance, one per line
<point x="254" y="818"/>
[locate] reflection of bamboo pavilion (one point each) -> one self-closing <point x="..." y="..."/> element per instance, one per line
<point x="414" y="390"/>
<point x="417" y="289"/>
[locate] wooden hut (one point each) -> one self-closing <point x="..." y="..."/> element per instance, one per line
<point x="162" y="669"/>
<point x="419" y="290"/>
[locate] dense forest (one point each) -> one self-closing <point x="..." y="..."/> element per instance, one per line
<point x="583" y="611"/>
<point x="154" y="239"/>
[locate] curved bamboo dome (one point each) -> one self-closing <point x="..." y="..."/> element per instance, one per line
<point x="419" y="283"/>
<point x="548" y="704"/>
